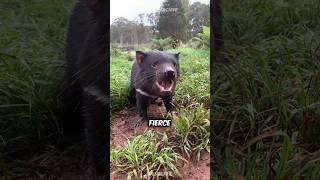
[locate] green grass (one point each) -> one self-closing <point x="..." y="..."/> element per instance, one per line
<point x="31" y="68"/>
<point x="195" y="77"/>
<point x="192" y="130"/>
<point x="269" y="87"/>
<point x="147" y="154"/>
<point x="120" y="69"/>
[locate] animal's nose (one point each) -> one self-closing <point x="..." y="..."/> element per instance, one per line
<point x="170" y="73"/>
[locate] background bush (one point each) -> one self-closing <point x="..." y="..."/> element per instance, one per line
<point x="202" y="40"/>
<point x="161" y="44"/>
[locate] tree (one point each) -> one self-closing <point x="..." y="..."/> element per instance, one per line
<point x="123" y="31"/>
<point x="141" y="18"/>
<point x="198" y="16"/>
<point x="153" y="19"/>
<point x="172" y="20"/>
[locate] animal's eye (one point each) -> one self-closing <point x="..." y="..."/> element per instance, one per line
<point x="175" y="64"/>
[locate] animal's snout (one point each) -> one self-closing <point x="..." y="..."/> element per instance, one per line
<point x="170" y="73"/>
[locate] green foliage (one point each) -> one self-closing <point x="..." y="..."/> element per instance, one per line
<point x="195" y="69"/>
<point x="162" y="44"/>
<point x="120" y="69"/>
<point x="284" y="157"/>
<point x="192" y="130"/>
<point x="198" y="15"/>
<point x="115" y="51"/>
<point x="268" y="90"/>
<point x="31" y="70"/>
<point x="205" y="36"/>
<point x="202" y="40"/>
<point x="146" y="155"/>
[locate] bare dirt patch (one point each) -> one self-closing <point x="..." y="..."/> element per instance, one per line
<point x="196" y="170"/>
<point x="124" y="121"/>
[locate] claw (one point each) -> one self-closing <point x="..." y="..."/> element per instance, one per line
<point x="140" y="121"/>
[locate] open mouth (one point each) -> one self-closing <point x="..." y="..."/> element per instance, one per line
<point x="165" y="86"/>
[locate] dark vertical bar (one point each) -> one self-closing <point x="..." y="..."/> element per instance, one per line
<point x="215" y="48"/>
<point x="108" y="89"/>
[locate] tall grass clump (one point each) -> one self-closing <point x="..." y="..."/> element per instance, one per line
<point x="31" y="70"/>
<point x="147" y="155"/>
<point x="192" y="130"/>
<point x="268" y="90"/>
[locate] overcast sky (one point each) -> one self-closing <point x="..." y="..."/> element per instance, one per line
<point x="131" y="8"/>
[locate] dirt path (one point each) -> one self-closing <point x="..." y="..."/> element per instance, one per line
<point x="121" y="129"/>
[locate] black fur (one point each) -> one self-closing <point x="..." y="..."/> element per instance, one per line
<point x="85" y="94"/>
<point x="149" y="68"/>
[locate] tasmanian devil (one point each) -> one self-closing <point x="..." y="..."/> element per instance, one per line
<point x="154" y="74"/>
<point x="85" y="94"/>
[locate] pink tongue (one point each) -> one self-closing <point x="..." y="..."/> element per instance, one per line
<point x="165" y="86"/>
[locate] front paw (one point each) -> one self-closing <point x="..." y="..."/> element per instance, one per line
<point x="140" y="121"/>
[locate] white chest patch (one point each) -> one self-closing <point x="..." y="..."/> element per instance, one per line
<point x="145" y="93"/>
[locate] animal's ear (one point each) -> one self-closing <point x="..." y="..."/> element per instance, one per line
<point x="177" y="55"/>
<point x="140" y="56"/>
<point x="99" y="7"/>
